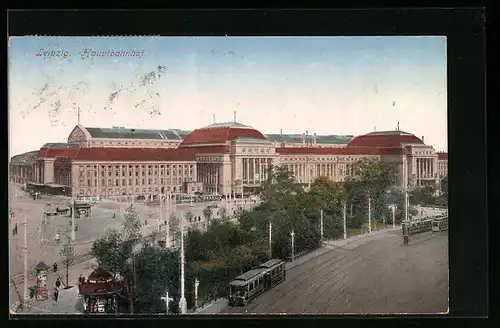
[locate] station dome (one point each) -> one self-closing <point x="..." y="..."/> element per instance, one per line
<point x="221" y="133"/>
<point x="384" y="139"/>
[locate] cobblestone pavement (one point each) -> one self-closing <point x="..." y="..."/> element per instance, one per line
<point x="371" y="275"/>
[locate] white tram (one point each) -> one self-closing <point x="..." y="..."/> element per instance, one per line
<point x="440" y="224"/>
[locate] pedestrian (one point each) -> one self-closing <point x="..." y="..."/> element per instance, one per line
<point x="56" y="293"/>
<point x="80" y="279"/>
<point x="58" y="282"/>
<point x="54" y="266"/>
<point x="76" y="228"/>
<point x="145" y="222"/>
<point x="15" y="229"/>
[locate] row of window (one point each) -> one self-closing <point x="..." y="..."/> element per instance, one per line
<point x="116" y="167"/>
<point x="109" y="182"/>
<point x="132" y="143"/>
<point x="143" y="173"/>
<point x="336" y="159"/>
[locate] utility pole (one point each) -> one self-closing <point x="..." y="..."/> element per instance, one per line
<point x="321" y="224"/>
<point x="345" y="221"/>
<point x="196" y="284"/>
<point x="393" y="216"/>
<point x="25" y="259"/>
<point x="167" y="233"/>
<point x="167" y="300"/>
<point x="73" y="232"/>
<point x="369" y="215"/>
<point x="182" y="301"/>
<point x="161" y="213"/>
<point x="406" y="205"/>
<point x="270" y="241"/>
<point x="293" y="244"/>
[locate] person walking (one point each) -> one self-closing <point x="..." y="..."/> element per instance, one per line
<point x="54" y="266"/>
<point x="58" y="282"/>
<point x="15" y="229"/>
<point x="56" y="293"/>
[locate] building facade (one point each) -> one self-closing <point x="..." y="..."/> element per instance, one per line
<point x="224" y="158"/>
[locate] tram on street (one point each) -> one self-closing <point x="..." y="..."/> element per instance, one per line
<point x="440" y="224"/>
<point x="252" y="283"/>
<point x="415" y="227"/>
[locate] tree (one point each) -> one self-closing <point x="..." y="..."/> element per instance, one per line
<point x="157" y="271"/>
<point x="110" y="252"/>
<point x="207" y="213"/>
<point x="68" y="255"/>
<point x="444" y="186"/>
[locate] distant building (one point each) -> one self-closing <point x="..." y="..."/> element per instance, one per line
<point x="222" y="158"/>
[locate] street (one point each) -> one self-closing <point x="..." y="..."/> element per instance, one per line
<point x="373" y="275"/>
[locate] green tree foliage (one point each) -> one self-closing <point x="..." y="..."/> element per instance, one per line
<point x="423" y="196"/>
<point x="111" y="252"/>
<point x="207" y="213"/>
<point x="157" y="272"/>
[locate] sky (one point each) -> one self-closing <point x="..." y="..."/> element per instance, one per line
<point x="323" y="85"/>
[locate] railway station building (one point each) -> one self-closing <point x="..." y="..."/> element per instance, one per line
<point x="221" y="158"/>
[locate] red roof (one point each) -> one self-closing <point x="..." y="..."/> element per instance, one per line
<point x="99" y="288"/>
<point x="53" y="152"/>
<point x="135" y="154"/>
<point x="339" y="151"/>
<point x="99" y="273"/>
<point x="132" y="154"/>
<point x="442" y="155"/>
<point x="220" y="135"/>
<point x="383" y="140"/>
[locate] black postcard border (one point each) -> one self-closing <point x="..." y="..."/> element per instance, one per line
<point x="465" y="32"/>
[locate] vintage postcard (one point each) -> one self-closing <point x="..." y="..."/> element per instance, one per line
<point x="228" y="175"/>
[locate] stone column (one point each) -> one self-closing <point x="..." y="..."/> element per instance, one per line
<point x="248" y="169"/>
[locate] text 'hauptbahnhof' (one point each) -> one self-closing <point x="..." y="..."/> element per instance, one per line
<point x="222" y="158"/>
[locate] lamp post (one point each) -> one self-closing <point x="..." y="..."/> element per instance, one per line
<point x="406" y="205"/>
<point x="293" y="245"/>
<point x="196" y="284"/>
<point x="321" y="224"/>
<point x="25" y="296"/>
<point x="73" y="232"/>
<point x="182" y="300"/>
<point x="393" y="207"/>
<point x="369" y="215"/>
<point x="345" y="221"/>
<point x="270" y="241"/>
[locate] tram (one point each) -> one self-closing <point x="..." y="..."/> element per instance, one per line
<point x="415" y="227"/>
<point x="440" y="224"/>
<point x="252" y="283"/>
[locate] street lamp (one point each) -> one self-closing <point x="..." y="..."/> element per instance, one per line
<point x="345" y="221"/>
<point x="393" y="207"/>
<point x="293" y="245"/>
<point x="196" y="285"/>
<point x="270" y="241"/>
<point x="321" y="224"/>
<point x="369" y="215"/>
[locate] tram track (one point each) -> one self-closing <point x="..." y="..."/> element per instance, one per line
<point x="339" y="273"/>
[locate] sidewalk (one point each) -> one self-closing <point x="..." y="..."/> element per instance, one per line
<point x="68" y="298"/>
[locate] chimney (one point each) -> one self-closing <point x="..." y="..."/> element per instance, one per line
<point x="374" y="128"/>
<point x="281" y="131"/>
<point x="303" y="138"/>
<point x="214" y="118"/>
<point x="234" y="116"/>
<point x="314" y="138"/>
<point x="423" y="139"/>
<point x="397" y="127"/>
